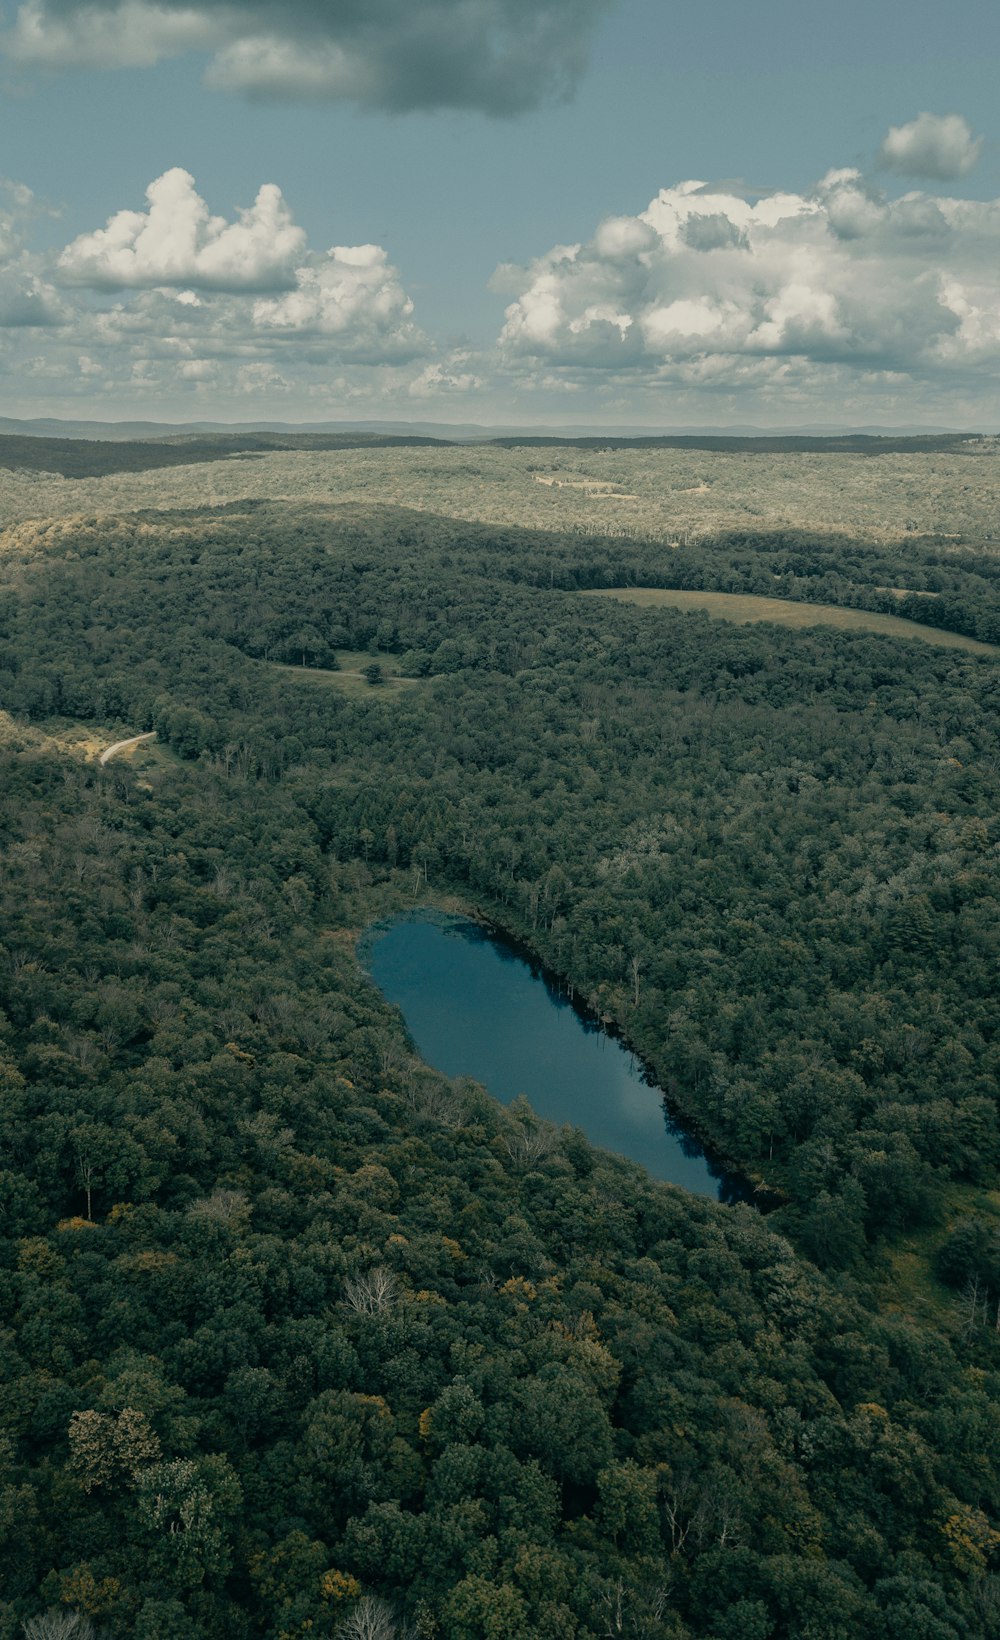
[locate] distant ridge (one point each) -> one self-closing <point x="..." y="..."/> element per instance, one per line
<point x="127" y="431"/>
<point x="94" y="458"/>
<point x="76" y="457"/>
<point x="865" y="444"/>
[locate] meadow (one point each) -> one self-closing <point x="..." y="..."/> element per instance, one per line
<point x="746" y="610"/>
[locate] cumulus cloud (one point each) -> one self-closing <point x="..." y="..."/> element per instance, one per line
<point x="499" y="56"/>
<point x="130" y="35"/>
<point x="708" y="286"/>
<point x="177" y="242"/>
<point x="171" y="306"/>
<point x="354" y="295"/>
<point x="937" y="146"/>
<point x="445" y="377"/>
<point x="174" y="301"/>
<point x="28" y="300"/>
<point x="27" y="303"/>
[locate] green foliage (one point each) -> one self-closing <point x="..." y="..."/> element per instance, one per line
<point x="91" y="458"/>
<point x="303" y="1337"/>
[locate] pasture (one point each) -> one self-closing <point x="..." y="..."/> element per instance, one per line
<point x="744" y="610"/>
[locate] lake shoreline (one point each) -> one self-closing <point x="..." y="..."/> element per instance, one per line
<point x="735" y="1184"/>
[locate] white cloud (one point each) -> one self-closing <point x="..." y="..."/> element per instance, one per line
<point x="195" y="273"/>
<point x="28" y="300"/>
<point x="269" y="66"/>
<point x="441" y="378"/>
<point x="261" y="378"/>
<point x="499" y="56"/>
<point x="937" y="146"/>
<point x="708" y="286"/>
<point x="190" y="314"/>
<point x="177" y="242"/>
<point x="133" y="34"/>
<point x="354" y="295"/>
<point x="712" y="304"/>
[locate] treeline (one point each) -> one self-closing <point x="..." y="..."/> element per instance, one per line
<point x="955" y="590"/>
<point x="297" y="1327"/>
<point x="96" y="458"/>
<point x="303" y="1339"/>
<point x="794" y="836"/>
<point x="863" y="444"/>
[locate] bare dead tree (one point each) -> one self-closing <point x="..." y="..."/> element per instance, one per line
<point x="430" y="1095"/>
<point x="636" y="1611"/>
<point x="370" y="1619"/>
<point x="526" y="1144"/>
<point x="974" y="1295"/>
<point x="685" y="1507"/>
<point x="85" y="1175"/>
<point x="373" y="1293"/>
<point x="56" y="1625"/>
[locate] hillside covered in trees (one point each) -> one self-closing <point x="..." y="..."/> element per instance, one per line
<point x="665" y="492"/>
<point x="304" y="1339"/>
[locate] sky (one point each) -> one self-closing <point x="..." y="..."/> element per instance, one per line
<point x="601" y="213"/>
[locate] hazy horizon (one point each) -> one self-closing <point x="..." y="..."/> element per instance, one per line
<point x="574" y="212"/>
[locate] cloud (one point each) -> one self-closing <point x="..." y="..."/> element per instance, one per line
<point x="170" y="307"/>
<point x="177" y="242"/>
<point x="352" y="295"/>
<point x="203" y="282"/>
<point x="444" y="377"/>
<point x="937" y="146"/>
<point x="173" y="301"/>
<point x="130" y="35"/>
<point x="347" y="305"/>
<point x="28" y="300"/>
<point x="709" y="287"/>
<point x="498" y="56"/>
<point x="27" y="303"/>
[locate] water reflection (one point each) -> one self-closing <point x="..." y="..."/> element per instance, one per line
<point x="476" y="1005"/>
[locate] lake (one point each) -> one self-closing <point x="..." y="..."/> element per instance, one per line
<point x="476" y="1005"/>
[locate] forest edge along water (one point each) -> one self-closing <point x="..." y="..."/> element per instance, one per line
<point x="477" y="1003"/>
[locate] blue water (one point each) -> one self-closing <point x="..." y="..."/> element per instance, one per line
<point x="475" y="1007"/>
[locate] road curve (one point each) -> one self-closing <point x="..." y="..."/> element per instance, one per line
<point x="124" y="745"/>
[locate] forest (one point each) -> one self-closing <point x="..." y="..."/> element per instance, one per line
<point x="90" y="458"/>
<point x="302" y="1338"/>
<point x="74" y="457"/>
<point x="658" y="493"/>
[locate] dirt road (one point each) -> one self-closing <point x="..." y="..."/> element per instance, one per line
<point x="124" y="746"/>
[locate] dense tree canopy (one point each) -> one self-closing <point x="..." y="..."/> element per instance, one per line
<point x="298" y="1340"/>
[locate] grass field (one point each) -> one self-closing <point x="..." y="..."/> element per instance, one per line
<point x="744" y="610"/>
<point x="350" y="679"/>
<point x="912" y="1287"/>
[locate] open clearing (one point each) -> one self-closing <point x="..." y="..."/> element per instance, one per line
<point x="126" y="747"/>
<point x="66" y="736"/>
<point x="745" y="609"/>
<point x="350" y="679"/>
<point x="911" y="1285"/>
<point x="595" y="488"/>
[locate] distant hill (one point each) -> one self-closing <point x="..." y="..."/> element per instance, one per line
<point x="95" y="458"/>
<point x="867" y="444"/>
<point x="75" y="457"/>
<point x="127" y="431"/>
